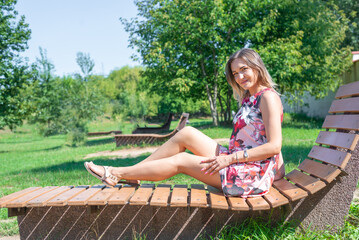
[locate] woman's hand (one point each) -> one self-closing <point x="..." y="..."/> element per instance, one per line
<point x="214" y="164"/>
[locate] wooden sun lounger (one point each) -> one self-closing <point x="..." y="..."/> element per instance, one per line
<point x="164" y="127"/>
<point x="317" y="194"/>
<point x="124" y="139"/>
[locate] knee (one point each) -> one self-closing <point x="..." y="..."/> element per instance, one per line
<point x="186" y="132"/>
<point x="180" y="160"/>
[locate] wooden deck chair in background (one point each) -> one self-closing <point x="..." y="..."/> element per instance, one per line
<point x="149" y="138"/>
<point x="163" y="128"/>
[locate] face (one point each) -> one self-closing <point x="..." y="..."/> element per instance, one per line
<point x="245" y="76"/>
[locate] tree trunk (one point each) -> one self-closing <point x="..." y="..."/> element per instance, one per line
<point x="213" y="102"/>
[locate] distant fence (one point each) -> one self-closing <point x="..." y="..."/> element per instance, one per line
<point x="318" y="108"/>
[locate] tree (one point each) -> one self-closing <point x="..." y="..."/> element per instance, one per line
<point x="14" y="74"/>
<point x="185" y="44"/>
<point x="351" y="10"/>
<point x="86" y="65"/>
<point x="45" y="95"/>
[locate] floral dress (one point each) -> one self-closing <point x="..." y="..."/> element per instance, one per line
<point x="251" y="179"/>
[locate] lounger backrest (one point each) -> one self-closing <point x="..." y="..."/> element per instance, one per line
<point x="183" y="120"/>
<point x="328" y="159"/>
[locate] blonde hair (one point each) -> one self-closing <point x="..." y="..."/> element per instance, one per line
<point x="254" y="61"/>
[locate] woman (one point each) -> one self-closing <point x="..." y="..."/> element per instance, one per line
<point x="253" y="160"/>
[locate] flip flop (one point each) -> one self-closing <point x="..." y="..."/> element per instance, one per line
<point x="109" y="175"/>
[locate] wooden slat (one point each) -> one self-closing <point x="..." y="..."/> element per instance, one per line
<point x="61" y="200"/>
<point x="44" y="198"/>
<point x="348" y="90"/>
<point x="275" y="198"/>
<point x="338" y="139"/>
<point x="345" y="105"/>
<point x="289" y="190"/>
<point x="21" y="201"/>
<point x="332" y="156"/>
<point x="179" y="196"/>
<point x="15" y="195"/>
<point x="307" y="182"/>
<point x="218" y="200"/>
<point x="348" y="122"/>
<point x="238" y="204"/>
<point x="142" y="195"/>
<point x="258" y="203"/>
<point x="325" y="172"/>
<point x="198" y="197"/>
<point x="101" y="197"/>
<point x="161" y="195"/>
<point x="82" y="198"/>
<point x="122" y="196"/>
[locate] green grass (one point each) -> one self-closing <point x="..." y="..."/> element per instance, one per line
<point x="27" y="160"/>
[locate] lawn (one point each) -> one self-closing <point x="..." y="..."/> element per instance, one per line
<point x="27" y="159"/>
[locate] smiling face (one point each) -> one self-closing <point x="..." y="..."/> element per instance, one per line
<point x="245" y="76"/>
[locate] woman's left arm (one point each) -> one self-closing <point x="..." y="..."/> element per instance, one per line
<point x="271" y="109"/>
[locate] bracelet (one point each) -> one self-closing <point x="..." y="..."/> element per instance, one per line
<point x="237" y="158"/>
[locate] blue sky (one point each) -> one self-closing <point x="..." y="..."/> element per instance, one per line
<point x="65" y="27"/>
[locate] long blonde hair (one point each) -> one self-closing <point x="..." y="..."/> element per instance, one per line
<point x="254" y="61"/>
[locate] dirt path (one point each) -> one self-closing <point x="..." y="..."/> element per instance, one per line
<point x="135" y="152"/>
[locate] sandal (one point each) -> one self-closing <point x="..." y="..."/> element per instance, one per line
<point x="108" y="175"/>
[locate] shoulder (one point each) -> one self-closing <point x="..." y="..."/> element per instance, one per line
<point x="270" y="99"/>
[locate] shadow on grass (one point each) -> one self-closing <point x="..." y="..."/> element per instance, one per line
<point x="294" y="154"/>
<point x="47" y="149"/>
<point x="100" y="141"/>
<point x="301" y="121"/>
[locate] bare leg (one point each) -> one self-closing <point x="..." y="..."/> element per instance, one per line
<point x="188" y="138"/>
<point x="164" y="168"/>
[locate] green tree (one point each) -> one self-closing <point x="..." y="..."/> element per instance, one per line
<point x="185" y="44"/>
<point x="14" y="73"/>
<point x="45" y="94"/>
<point x="86" y="65"/>
<point x="351" y="10"/>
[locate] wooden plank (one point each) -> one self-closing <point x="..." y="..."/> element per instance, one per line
<point x="121" y="197"/>
<point x="15" y="195"/>
<point x="198" y="197"/>
<point x="291" y="191"/>
<point x="275" y="198"/>
<point x="218" y="200"/>
<point x="325" y="172"/>
<point x="61" y="200"/>
<point x="338" y="139"/>
<point x="348" y="122"/>
<point x="179" y="196"/>
<point x="161" y="195"/>
<point x="307" y="182"/>
<point x="101" y="197"/>
<point x="82" y="198"/>
<point x="238" y="204"/>
<point x="349" y="105"/>
<point x="348" y="90"/>
<point x="258" y="203"/>
<point x="44" y="198"/>
<point x="332" y="156"/>
<point x="22" y="201"/>
<point x="142" y="195"/>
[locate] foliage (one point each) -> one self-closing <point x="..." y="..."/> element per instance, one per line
<point x="351" y="10"/>
<point x="185" y="44"/>
<point x="14" y="34"/>
<point x="128" y="94"/>
<point x="86" y="65"/>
